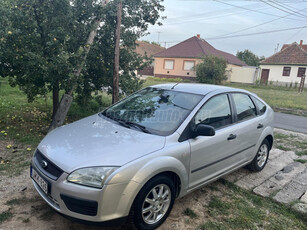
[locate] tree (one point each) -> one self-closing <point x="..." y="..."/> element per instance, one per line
<point x="211" y="70"/>
<point x="43" y="41"/>
<point x="249" y="57"/>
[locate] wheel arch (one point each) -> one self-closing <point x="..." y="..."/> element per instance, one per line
<point x="270" y="139"/>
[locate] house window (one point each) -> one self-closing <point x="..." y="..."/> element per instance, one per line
<point x="286" y="71"/>
<point x="188" y="65"/>
<point x="169" y="64"/>
<point x="301" y="72"/>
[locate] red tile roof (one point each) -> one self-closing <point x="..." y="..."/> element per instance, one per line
<point x="292" y="54"/>
<point x="149" y="49"/>
<point x="195" y="47"/>
<point x="304" y="46"/>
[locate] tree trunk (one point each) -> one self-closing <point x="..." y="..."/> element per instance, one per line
<point x="116" y="54"/>
<point x="63" y="108"/>
<point x="55" y="98"/>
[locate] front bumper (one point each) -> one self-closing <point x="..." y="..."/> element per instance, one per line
<point x="113" y="201"/>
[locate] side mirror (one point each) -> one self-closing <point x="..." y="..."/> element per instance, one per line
<point x="203" y="130"/>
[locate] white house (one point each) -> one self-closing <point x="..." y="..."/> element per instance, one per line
<point x="287" y="66"/>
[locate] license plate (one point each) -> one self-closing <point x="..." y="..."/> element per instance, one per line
<point x="39" y="180"/>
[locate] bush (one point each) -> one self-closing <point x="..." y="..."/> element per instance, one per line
<point x="211" y="70"/>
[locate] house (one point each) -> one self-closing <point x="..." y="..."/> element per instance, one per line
<point x="286" y="66"/>
<point x="179" y="60"/>
<point x="147" y="49"/>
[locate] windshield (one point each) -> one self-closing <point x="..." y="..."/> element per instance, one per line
<point x="159" y="111"/>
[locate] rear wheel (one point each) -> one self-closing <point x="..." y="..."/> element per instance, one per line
<point x="261" y="157"/>
<point x="154" y="203"/>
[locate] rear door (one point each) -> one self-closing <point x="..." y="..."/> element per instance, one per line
<point x="248" y="125"/>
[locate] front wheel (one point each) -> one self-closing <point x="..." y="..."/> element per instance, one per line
<point x="261" y="157"/>
<point x="154" y="203"/>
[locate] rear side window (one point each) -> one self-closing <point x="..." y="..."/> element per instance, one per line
<point x="244" y="106"/>
<point x="215" y="112"/>
<point x="261" y="106"/>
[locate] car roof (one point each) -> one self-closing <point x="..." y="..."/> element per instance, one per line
<point x="197" y="88"/>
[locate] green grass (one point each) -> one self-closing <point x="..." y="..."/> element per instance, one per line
<point x="301" y="161"/>
<point x="290" y="142"/>
<point x="190" y="213"/>
<point x="27" y="220"/>
<point x="302" y="153"/>
<point x="25" y="124"/>
<point x="5" y="216"/>
<point x="236" y="208"/>
<point x="282" y="147"/>
<point x="14" y="202"/>
<point x="212" y="225"/>
<point x="277" y="97"/>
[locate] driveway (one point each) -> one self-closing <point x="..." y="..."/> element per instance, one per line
<point x="291" y="122"/>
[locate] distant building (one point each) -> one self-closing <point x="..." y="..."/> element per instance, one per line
<point x="149" y="50"/>
<point x="179" y="61"/>
<point x="286" y="66"/>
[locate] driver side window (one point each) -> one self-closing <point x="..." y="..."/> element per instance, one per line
<point x="216" y="112"/>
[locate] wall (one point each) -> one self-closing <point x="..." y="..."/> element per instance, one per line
<point x="237" y="74"/>
<point x="244" y="74"/>
<point x="276" y="71"/>
<point x="178" y="70"/>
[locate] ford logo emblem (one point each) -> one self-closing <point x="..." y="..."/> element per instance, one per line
<point x="44" y="164"/>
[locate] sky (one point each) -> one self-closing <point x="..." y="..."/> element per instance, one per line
<point x="222" y="22"/>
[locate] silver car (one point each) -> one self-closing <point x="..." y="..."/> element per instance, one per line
<point x="156" y="145"/>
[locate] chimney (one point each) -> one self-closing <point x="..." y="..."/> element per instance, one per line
<point x="198" y="36"/>
<point x="301" y="42"/>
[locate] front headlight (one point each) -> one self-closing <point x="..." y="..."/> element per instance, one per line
<point x="93" y="177"/>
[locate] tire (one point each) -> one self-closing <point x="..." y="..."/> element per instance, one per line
<point x="261" y="157"/>
<point x="160" y="190"/>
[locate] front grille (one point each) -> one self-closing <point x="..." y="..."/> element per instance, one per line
<point x="51" y="170"/>
<point x="81" y="206"/>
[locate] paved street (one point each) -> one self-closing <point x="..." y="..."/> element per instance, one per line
<point x="291" y="122"/>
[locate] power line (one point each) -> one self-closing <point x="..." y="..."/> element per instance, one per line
<point x="286" y="7"/>
<point x="257" y="33"/>
<point x="249" y="34"/>
<point x="253" y="10"/>
<point x="261" y="24"/>
<point x="265" y="2"/>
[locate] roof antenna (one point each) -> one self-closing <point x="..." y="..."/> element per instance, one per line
<point x="175" y="85"/>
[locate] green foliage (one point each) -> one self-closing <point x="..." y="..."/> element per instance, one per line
<point x="42" y="44"/>
<point x="211" y="70"/>
<point x="249" y="57"/>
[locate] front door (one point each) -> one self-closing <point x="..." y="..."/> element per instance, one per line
<point x="211" y="156"/>
<point x="265" y="75"/>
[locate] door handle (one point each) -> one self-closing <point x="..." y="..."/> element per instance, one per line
<point x="260" y="126"/>
<point x="231" y="137"/>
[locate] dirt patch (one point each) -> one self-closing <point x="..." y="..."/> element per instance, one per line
<point x="30" y="211"/>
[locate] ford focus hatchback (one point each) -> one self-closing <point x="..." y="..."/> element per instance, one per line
<point x="139" y="155"/>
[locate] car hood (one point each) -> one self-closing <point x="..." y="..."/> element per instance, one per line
<point x="96" y="141"/>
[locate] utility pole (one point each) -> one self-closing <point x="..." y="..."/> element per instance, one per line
<point x="116" y="54"/>
<point x="302" y="83"/>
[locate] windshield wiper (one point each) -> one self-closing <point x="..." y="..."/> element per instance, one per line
<point x="119" y="121"/>
<point x="141" y="127"/>
<point x="127" y="124"/>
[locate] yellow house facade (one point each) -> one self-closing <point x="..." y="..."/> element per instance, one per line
<point x="179" y="61"/>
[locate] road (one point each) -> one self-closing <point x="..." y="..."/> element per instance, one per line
<point x="291" y="122"/>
